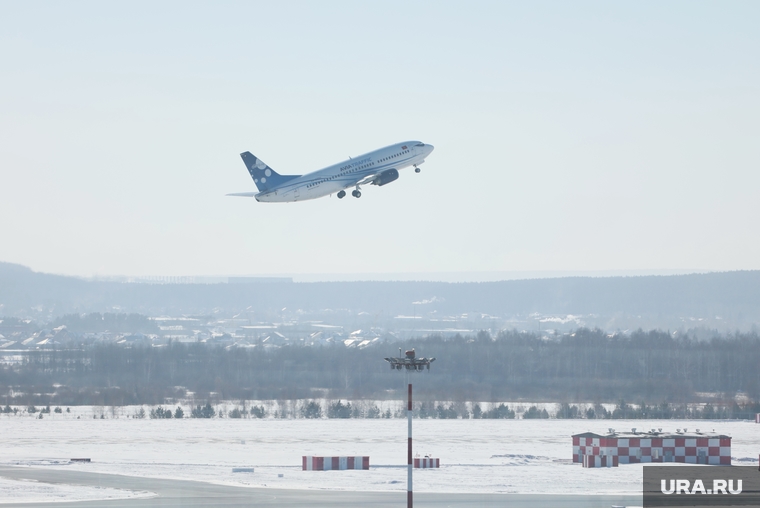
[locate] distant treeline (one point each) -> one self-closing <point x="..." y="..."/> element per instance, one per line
<point x="588" y="366"/>
<point x="315" y="409"/>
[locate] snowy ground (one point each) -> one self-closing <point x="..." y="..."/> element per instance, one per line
<point x="481" y="456"/>
<point x="31" y="491"/>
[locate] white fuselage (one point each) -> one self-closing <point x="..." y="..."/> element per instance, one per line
<point x="351" y="173"/>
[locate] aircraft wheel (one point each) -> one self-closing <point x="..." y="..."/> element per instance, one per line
<point x="341" y="194"/>
<point x="417" y="170"/>
<point x="356" y="194"/>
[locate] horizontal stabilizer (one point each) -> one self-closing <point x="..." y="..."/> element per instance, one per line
<point x="242" y="194"/>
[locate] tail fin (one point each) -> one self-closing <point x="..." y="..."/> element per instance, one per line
<point x="263" y="176"/>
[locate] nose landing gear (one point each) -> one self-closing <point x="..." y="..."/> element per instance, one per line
<point x="416" y="169"/>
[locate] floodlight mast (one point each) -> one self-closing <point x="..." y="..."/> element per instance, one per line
<point x="410" y="363"/>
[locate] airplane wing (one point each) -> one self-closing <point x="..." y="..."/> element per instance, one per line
<point x="367" y="179"/>
<point x="243" y="194"/>
<point x="379" y="178"/>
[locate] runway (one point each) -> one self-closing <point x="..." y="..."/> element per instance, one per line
<point x="177" y="493"/>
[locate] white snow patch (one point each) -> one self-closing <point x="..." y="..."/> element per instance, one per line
<point x="32" y="491"/>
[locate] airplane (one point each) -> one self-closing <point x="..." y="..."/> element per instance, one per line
<point x="376" y="168"/>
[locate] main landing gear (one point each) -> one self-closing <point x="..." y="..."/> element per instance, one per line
<point x="355" y="193"/>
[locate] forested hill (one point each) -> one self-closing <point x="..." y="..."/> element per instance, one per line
<point x="731" y="296"/>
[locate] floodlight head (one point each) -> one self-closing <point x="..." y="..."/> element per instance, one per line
<point x="409" y="361"/>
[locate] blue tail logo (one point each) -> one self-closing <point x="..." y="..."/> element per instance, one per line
<point x="263" y="176"/>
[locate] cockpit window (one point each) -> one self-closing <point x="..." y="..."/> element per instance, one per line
<point x="420" y="144"/>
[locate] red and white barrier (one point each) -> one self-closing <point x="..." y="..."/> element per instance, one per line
<point x="427" y="463"/>
<point x="311" y="463"/>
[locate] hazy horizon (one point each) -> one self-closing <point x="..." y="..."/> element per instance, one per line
<point x="461" y="276"/>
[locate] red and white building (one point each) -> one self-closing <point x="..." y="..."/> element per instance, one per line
<point x="600" y="461"/>
<point x="311" y="463"/>
<point x="654" y="446"/>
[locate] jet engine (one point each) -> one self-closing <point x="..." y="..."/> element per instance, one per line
<point x="386" y="176"/>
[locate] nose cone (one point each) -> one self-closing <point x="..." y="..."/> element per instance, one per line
<point x="429" y="148"/>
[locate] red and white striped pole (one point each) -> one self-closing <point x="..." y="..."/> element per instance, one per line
<point x="409" y="363"/>
<point x="409" y="501"/>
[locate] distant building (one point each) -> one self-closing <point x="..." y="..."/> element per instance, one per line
<point x="655" y="446"/>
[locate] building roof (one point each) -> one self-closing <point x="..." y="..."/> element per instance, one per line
<point x="654" y="433"/>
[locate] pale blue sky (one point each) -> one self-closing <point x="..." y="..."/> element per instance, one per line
<point x="570" y="136"/>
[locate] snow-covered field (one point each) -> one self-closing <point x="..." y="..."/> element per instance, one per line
<point x="496" y="456"/>
<point x="30" y="491"/>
